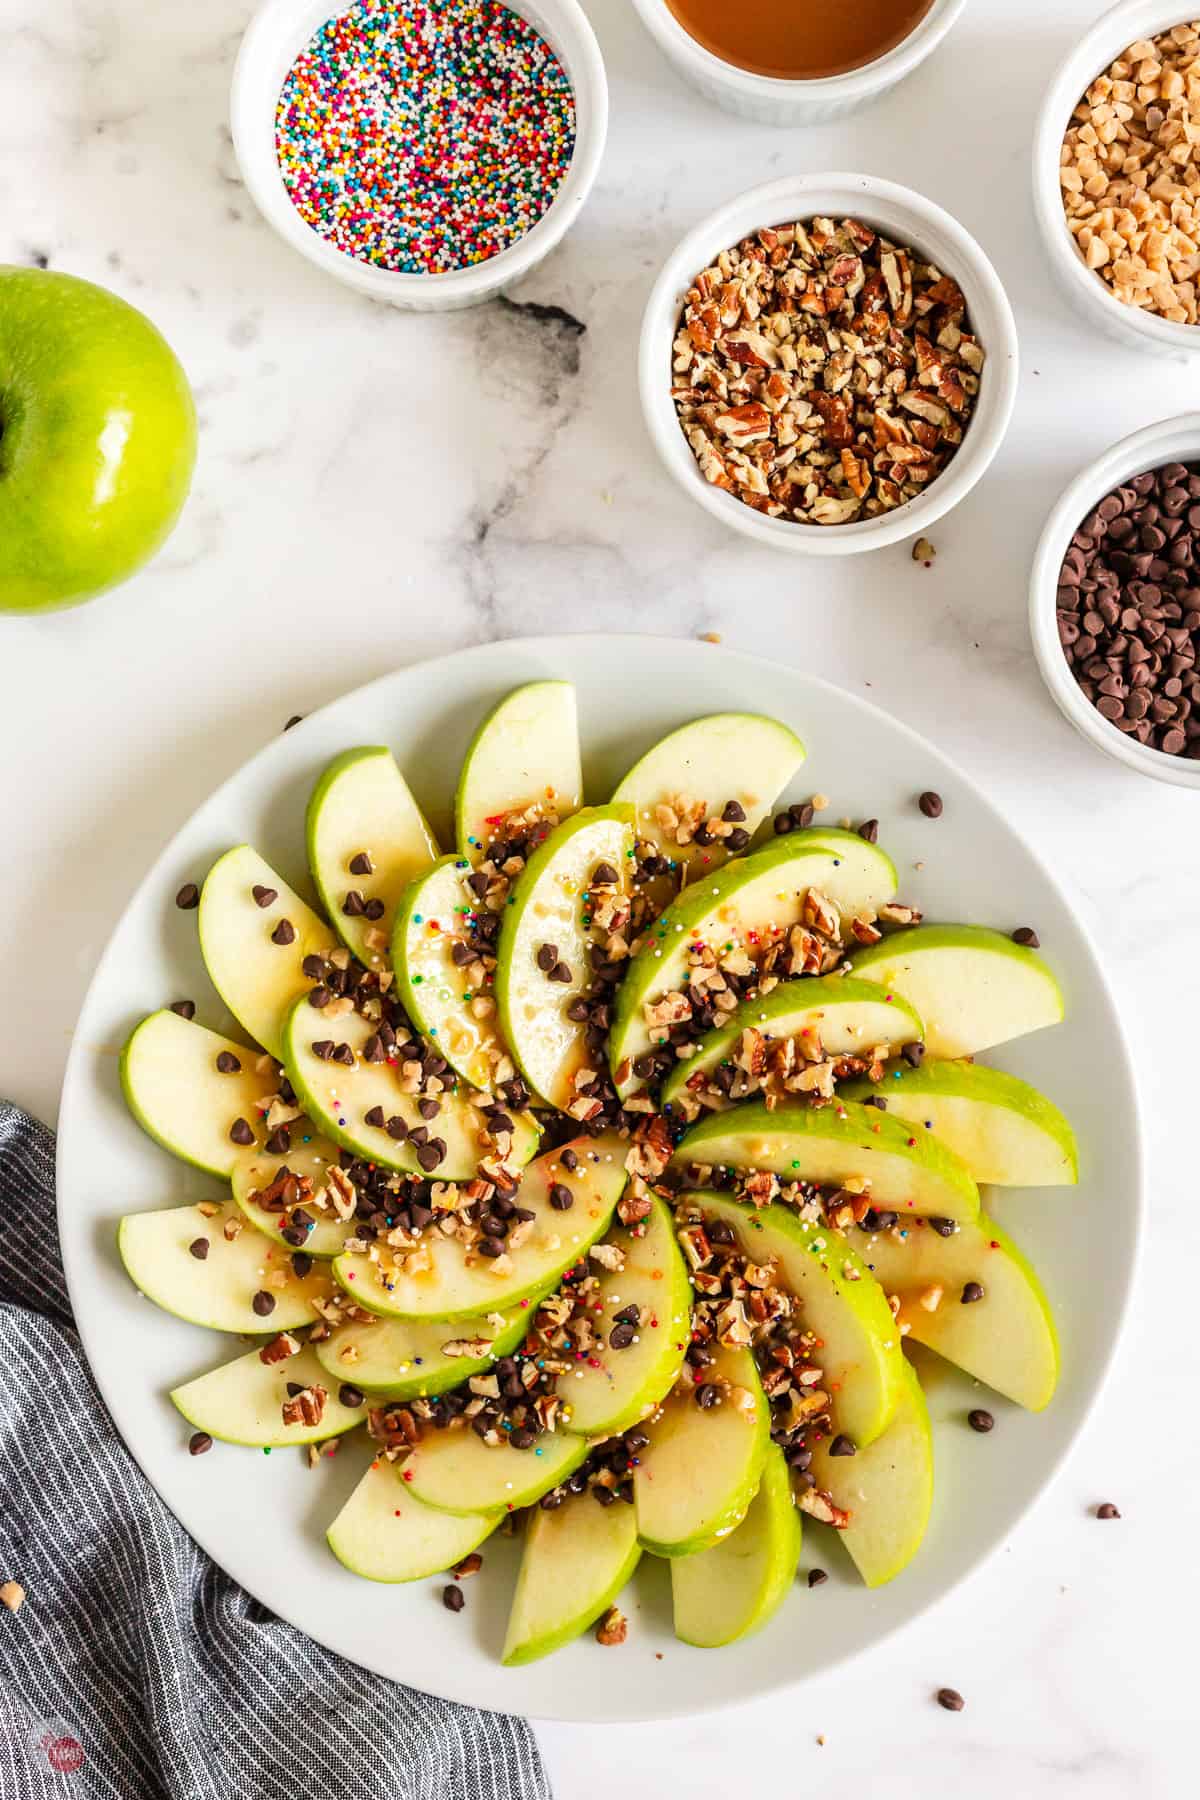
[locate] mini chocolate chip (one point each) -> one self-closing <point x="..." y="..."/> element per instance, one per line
<point x="569" y="1160"/>
<point x="621" y="1336"/>
<point x="350" y="1396"/>
<point x="429" y="1156"/>
<point x="319" y="996"/>
<point x="343" y="1054"/>
<point x="314" y="967"/>
<point x="296" y="1235"/>
<point x="374" y="910"/>
<point x="733" y="813"/>
<point x="264" y="896"/>
<point x="198" y="1443"/>
<point x="461" y="954"/>
<point x="241" y="1133"/>
<point x="279" y="1142"/>
<point x="708" y="1394"/>
<point x="429" y="1108"/>
<point x="951" y="1699"/>
<point x="373" y="1050"/>
<point x="971" y="1292"/>
<point x="843" y="1446"/>
<point x="263" y="1303"/>
<point x="188" y="897"/>
<point x="816" y="1577"/>
<point x="930" y="804"/>
<point x="185" y="1008"/>
<point x="295" y="719"/>
<point x="943" y="1227"/>
<point x="294" y="1388"/>
<point x="284" y="932"/>
<point x="561" y="1197"/>
<point x="302" y="1264"/>
<point x="876" y="1100"/>
<point x="361" y="864"/>
<point x="1026" y="935"/>
<point x="1107" y="1511"/>
<point x="323" y="1049"/>
<point x="397" y="1127"/>
<point x="979" y="1419"/>
<point x="737" y="840"/>
<point x="560" y="972"/>
<point x="547" y="956"/>
<point x="198" y="1248"/>
<point x="374" y="1117"/>
<point x="227" y="1062"/>
<point x="869" y="829"/>
<point x="604" y="875"/>
<point x="913" y="1054"/>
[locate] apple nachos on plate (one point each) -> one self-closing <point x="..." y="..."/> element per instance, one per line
<point x="596" y="1173"/>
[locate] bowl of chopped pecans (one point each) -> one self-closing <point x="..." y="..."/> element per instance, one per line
<point x="1114" y="602"/>
<point x="1115" y="189"/>
<point x="828" y="363"/>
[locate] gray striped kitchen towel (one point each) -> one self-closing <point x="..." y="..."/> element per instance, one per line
<point x="136" y="1669"/>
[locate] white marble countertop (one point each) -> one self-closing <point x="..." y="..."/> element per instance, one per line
<point x="374" y="488"/>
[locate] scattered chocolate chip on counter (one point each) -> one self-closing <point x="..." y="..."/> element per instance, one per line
<point x="1129" y="608"/>
<point x="453" y="1598"/>
<point x="185" y="1008"/>
<point x="198" y="1443"/>
<point x="950" y="1699"/>
<point x="979" y="1419"/>
<point x="822" y="374"/>
<point x="816" y="1577"/>
<point x="188" y="897"/>
<point x="295" y="719"/>
<point x="931" y="804"/>
<point x="1107" y="1511"/>
<point x="1027" y="937"/>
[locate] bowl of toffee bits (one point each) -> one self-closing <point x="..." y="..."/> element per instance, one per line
<point x="1116" y="182"/>
<point x="828" y="364"/>
<point x="1115" y="602"/>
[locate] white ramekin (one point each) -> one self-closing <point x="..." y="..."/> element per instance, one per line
<point x="1086" y="293"/>
<point x="773" y="101"/>
<point x="1174" y="440"/>
<point x="907" y="218"/>
<point x="274" y="38"/>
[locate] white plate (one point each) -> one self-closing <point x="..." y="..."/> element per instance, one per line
<point x="263" y="1519"/>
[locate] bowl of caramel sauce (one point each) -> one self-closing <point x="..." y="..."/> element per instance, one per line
<point x="799" y="62"/>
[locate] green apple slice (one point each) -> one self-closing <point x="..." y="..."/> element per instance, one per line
<point x="217" y="1291"/>
<point x="177" y="1093"/>
<point x="362" y="808"/>
<point x="752" y="899"/>
<point x="384" y="1533"/>
<point x="724" y="1593"/>
<point x="258" y="979"/>
<point x="524" y="755"/>
<point x="742" y="757"/>
<point x="406" y="1359"/>
<point x="438" y="994"/>
<point x="701" y="1468"/>
<point x="847" y="1017"/>
<point x="973" y="987"/>
<point x="338" y="1098"/>
<point x="1006" y="1132"/>
<point x="614" y="1388"/>
<point x="310" y="1156"/>
<point x="575" y="1561"/>
<point x="837" y="1146"/>
<point x="886" y="1487"/>
<point x="1006" y="1339"/>
<point x="458" y="1473"/>
<point x="242" y="1402"/>
<point x="841" y="1305"/>
<point x="549" y="907"/>
<point x="458" y="1285"/>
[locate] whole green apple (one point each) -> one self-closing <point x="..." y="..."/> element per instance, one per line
<point x="97" y="439"/>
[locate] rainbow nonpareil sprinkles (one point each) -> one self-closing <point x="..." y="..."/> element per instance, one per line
<point x="424" y="135"/>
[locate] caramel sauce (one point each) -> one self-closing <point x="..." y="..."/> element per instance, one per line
<point x="799" y="40"/>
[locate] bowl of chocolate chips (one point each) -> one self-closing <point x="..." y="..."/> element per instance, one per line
<point x="1115" y="602"/>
